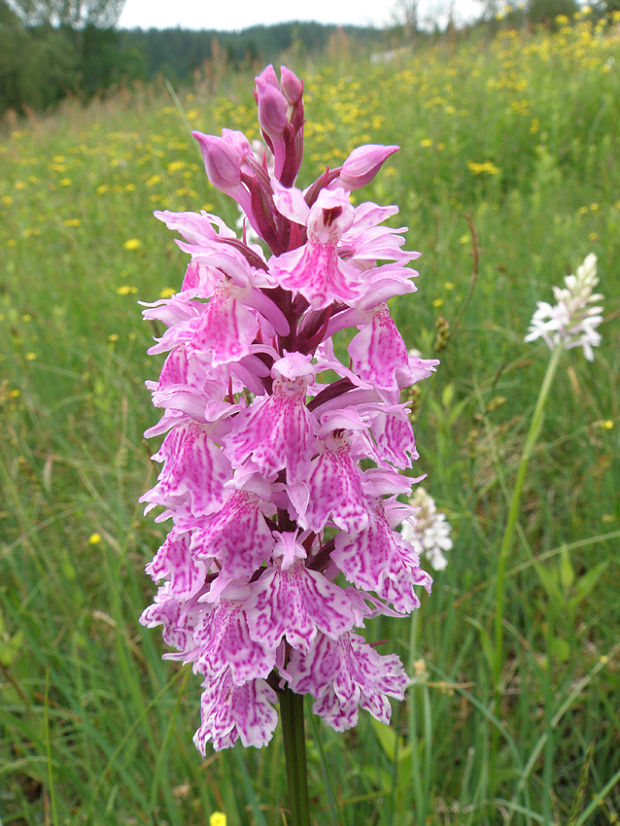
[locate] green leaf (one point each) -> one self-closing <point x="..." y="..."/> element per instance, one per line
<point x="567" y="572"/>
<point x="447" y="395"/>
<point x="550" y="584"/>
<point x="587" y="582"/>
<point x="560" y="649"/>
<point x="9" y="649"/>
<point x="386" y="737"/>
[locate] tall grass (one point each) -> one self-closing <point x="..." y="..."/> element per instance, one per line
<point x="507" y="177"/>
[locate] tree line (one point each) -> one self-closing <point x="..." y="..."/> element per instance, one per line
<point x="41" y="63"/>
<point x="50" y="49"/>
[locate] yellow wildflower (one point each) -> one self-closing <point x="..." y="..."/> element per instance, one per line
<point x="132" y="244"/>
<point x="94" y="539"/>
<point x="478" y="168"/>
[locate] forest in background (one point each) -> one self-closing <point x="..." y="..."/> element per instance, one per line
<point x="54" y="49"/>
<point x="42" y="64"/>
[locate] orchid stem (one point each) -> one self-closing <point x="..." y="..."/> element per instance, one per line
<point x="292" y="714"/>
<point x="513" y="514"/>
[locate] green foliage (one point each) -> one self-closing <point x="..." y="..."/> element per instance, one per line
<point x="546" y="11"/>
<point x="94" y="727"/>
<point x="40" y="63"/>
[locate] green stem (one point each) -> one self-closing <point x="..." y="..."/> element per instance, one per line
<point x="513" y="514"/>
<point x="292" y="715"/>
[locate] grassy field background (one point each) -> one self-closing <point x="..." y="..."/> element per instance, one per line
<point x="507" y="177"/>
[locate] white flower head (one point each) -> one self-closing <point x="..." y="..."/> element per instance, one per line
<point x="428" y="530"/>
<point x="572" y="321"/>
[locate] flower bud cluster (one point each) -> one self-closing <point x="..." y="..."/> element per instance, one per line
<point x="282" y="466"/>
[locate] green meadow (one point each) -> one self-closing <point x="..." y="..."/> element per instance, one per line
<point x="508" y="176"/>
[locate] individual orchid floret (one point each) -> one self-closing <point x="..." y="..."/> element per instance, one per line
<point x="572" y="321"/>
<point x="277" y="432"/>
<point x="296" y="603"/>
<point x="316" y="270"/>
<point x="428" y="530"/>
<point x="231" y="712"/>
<point x="345" y="673"/>
<point x="281" y="466"/>
<point x="378" y="352"/>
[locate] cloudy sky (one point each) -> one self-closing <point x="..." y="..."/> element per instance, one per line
<point x="231" y="15"/>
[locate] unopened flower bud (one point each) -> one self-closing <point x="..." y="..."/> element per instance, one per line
<point x="291" y="86"/>
<point x="363" y="164"/>
<point x="222" y="161"/>
<point x="272" y="108"/>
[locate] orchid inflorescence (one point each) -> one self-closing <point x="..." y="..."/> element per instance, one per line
<point x="572" y="320"/>
<point x="282" y="466"/>
<point x="428" y="530"/>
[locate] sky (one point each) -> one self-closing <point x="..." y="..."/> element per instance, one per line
<point x="231" y="15"/>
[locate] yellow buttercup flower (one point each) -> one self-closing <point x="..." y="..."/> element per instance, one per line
<point x="132" y="244"/>
<point x="478" y="168"/>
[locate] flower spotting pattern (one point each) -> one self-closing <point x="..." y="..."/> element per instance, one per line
<point x="282" y="468"/>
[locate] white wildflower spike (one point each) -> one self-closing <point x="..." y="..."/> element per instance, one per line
<point x="572" y="322"/>
<point x="428" y="530"/>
